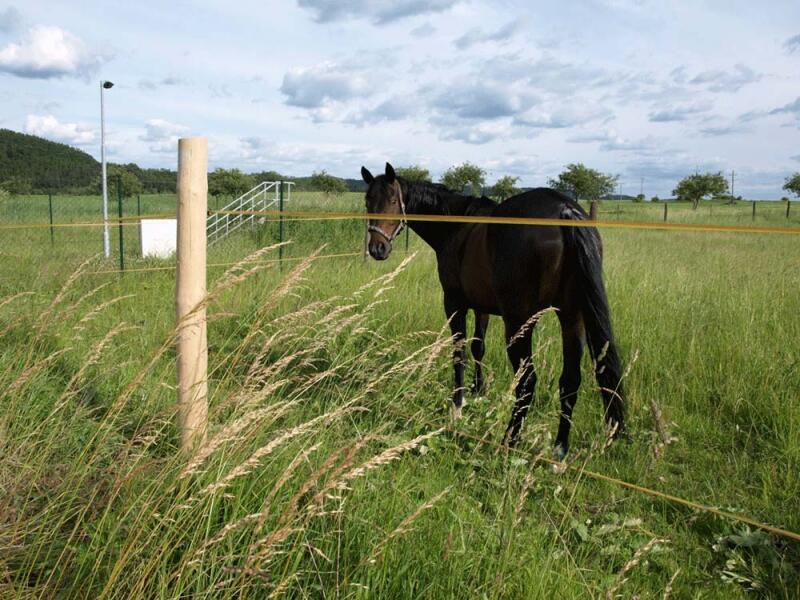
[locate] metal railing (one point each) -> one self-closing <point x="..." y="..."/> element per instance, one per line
<point x="265" y="195"/>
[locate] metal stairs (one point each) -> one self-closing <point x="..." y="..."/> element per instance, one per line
<point x="265" y="195"/>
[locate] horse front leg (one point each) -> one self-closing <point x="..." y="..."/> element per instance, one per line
<point x="457" y="314"/>
<point x="478" y="347"/>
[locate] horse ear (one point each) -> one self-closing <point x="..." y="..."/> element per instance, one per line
<point x="366" y="175"/>
<point x="390" y="174"/>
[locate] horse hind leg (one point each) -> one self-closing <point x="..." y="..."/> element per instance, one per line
<point x="573" y="339"/>
<point x="608" y="372"/>
<point x="519" y="334"/>
<point x="478" y="348"/>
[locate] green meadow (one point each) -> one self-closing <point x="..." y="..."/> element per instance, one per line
<point x="332" y="468"/>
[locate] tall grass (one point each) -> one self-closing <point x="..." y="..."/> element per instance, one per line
<point x="327" y="472"/>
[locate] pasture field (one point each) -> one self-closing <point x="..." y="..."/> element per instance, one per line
<point x="332" y="468"/>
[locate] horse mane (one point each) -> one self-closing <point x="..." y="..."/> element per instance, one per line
<point x="442" y="200"/>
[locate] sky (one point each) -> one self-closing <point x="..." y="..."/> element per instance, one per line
<point x="650" y="91"/>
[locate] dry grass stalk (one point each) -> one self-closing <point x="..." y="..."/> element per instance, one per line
<point x="248" y="398"/>
<point x="92" y="359"/>
<point x="405" y="525"/>
<point x="660" y="425"/>
<point x="385" y="280"/>
<point x="282" y="289"/>
<point x="30" y="371"/>
<point x="668" y="589"/>
<point x="91" y="293"/>
<point x="230" y="432"/>
<point x="235" y="271"/>
<point x="527" y="483"/>
<point x="281" y="587"/>
<point x="282" y="438"/>
<point x="635" y="560"/>
<point x="44" y="316"/>
<point x="349" y="452"/>
<point x="288" y="472"/>
<point x="134" y="383"/>
<point x="14" y="297"/>
<point x="531" y="322"/>
<point x="262" y="548"/>
<point x="97" y="310"/>
<point x="385" y="457"/>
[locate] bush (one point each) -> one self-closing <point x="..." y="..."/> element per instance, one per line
<point x="327" y="183"/>
<point x="654" y="199"/>
<point x="639" y="198"/>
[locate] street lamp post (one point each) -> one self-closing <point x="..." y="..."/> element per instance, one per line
<point x="104" y="85"/>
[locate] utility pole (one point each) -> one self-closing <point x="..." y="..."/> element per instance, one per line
<point x="733" y="174"/>
<point x="641" y="187"/>
<point x="104" y="85"/>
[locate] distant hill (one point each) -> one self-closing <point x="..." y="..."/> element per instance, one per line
<point x="33" y="164"/>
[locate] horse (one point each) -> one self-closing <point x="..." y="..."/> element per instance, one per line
<point x="514" y="271"/>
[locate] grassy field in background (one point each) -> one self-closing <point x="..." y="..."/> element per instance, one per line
<point x="324" y="375"/>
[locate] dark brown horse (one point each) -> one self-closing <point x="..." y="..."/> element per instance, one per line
<point x="513" y="271"/>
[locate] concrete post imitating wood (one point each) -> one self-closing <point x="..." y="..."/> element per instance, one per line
<point x="190" y="291"/>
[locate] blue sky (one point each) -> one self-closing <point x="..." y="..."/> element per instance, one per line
<point x="642" y="89"/>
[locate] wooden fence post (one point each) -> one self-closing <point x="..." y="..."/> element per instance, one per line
<point x="754" y="210"/>
<point x="190" y="291"/>
<point x="593" y="210"/>
<point x="665" y="212"/>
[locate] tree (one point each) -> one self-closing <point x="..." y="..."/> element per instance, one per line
<point x="505" y="187"/>
<point x="639" y="198"/>
<point x="655" y="199"/>
<point x="229" y="182"/>
<point x="698" y="186"/>
<point x="792" y="184"/>
<point x="583" y="182"/>
<point x="17" y="186"/>
<point x="327" y="183"/>
<point x="458" y="177"/>
<point x="42" y="166"/>
<point x="131" y="185"/>
<point x="414" y="173"/>
<point x="267" y="176"/>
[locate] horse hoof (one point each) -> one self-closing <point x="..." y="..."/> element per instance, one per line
<point x="559" y="454"/>
<point x="455" y="412"/>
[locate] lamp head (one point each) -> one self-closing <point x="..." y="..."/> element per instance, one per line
<point x="108" y="85"/>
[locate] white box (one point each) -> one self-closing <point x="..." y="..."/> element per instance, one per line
<point x="159" y="237"/>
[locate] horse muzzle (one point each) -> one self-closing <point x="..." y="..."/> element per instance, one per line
<point x="379" y="249"/>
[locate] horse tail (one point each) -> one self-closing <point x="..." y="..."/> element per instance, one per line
<point x="585" y="246"/>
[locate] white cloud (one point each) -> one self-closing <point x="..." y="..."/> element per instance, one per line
<point x="318" y="86"/>
<point x="47" y="126"/>
<point x="9" y="19"/>
<point x="478" y="36"/>
<point x="479" y="101"/>
<point x="792" y="45"/>
<point x="563" y="117"/>
<point x="378" y="11"/>
<point x="727" y="81"/>
<point x="162" y="136"/>
<point x="679" y="112"/>
<point x="48" y="52"/>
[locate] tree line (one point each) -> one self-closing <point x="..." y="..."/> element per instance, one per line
<point x="30" y="164"/>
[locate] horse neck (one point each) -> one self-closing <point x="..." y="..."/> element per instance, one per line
<point x="423" y="199"/>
